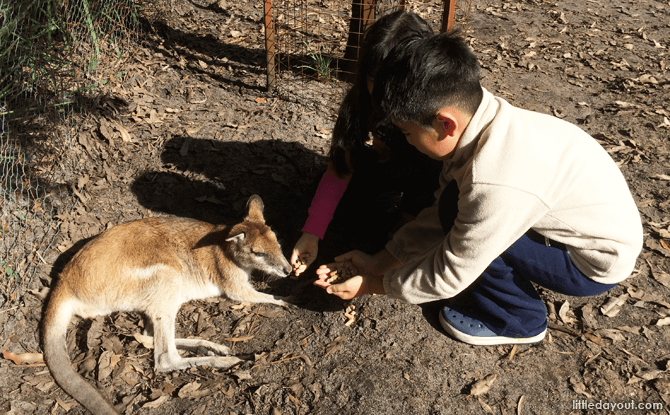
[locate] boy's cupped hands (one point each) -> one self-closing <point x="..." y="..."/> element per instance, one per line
<point x="368" y="274"/>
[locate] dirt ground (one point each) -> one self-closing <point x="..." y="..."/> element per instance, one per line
<point x="199" y="134"/>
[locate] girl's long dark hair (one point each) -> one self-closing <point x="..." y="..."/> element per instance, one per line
<point x="354" y="120"/>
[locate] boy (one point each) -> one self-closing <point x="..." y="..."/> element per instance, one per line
<point x="537" y="200"/>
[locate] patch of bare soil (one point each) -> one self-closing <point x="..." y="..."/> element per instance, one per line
<point x="190" y="131"/>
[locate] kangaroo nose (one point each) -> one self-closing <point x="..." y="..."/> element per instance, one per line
<point x="288" y="269"/>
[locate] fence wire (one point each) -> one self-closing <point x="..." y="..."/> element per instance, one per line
<point x="54" y="55"/>
<point x="313" y="45"/>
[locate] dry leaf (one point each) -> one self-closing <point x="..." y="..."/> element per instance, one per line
<point x="23" y="357"/>
<point x="566" y="315"/>
<point x="482" y="386"/>
<point x="153" y="117"/>
<point x="321" y="132"/>
<point x="662" y="386"/>
<point x="660" y="176"/>
<point x="132" y="382"/>
<point x="484" y="406"/>
<point x="294" y="399"/>
<point x="649" y="374"/>
<point x="612" y="334"/>
<point x="193" y="132"/>
<point x="158" y="402"/>
<point x="629" y="329"/>
<point x="82" y="181"/>
<point x="188" y="390"/>
<point x="240" y="305"/>
<point x="334" y="347"/>
<point x="624" y="104"/>
<point x="663" y="321"/>
<point x="106" y="363"/>
<point x="513" y="352"/>
<point x="238" y="339"/>
<point x="242" y="374"/>
<point x="659" y="275"/>
<point x="579" y="387"/>
<point x="169" y="388"/>
<point x="147" y="341"/>
<point x="125" y="135"/>
<point x="613" y="305"/>
<point x="274" y="312"/>
<point x="648" y="79"/>
<point x="43" y="382"/>
<point x="261" y="100"/>
<point x="595" y="339"/>
<point x="66" y="405"/>
<point x="588" y="316"/>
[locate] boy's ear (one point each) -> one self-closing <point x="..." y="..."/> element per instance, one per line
<point x="447" y="122"/>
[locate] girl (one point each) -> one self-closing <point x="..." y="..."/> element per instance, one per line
<point x="389" y="158"/>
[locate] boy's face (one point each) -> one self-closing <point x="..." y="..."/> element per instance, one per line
<point x="432" y="142"/>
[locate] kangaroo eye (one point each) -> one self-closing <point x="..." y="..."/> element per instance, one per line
<point x="260" y="253"/>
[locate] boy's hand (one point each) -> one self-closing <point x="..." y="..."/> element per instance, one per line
<point x="355" y="286"/>
<point x="304" y="252"/>
<point x="365" y="264"/>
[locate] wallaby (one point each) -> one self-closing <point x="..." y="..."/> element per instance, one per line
<point x="153" y="266"/>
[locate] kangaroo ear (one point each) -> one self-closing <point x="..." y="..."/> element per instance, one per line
<point x="236" y="238"/>
<point x="255" y="209"/>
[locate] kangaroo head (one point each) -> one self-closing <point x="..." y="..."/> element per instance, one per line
<point x="253" y="245"/>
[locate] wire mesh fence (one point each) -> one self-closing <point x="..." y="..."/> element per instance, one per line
<point x="313" y="45"/>
<point x="54" y="55"/>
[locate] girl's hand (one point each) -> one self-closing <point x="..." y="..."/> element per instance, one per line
<point x="304" y="252"/>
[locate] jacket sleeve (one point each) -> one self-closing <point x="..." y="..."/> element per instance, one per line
<point x="417" y="237"/>
<point x="490" y="219"/>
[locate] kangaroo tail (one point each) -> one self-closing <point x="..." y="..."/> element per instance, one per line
<point x="54" y="329"/>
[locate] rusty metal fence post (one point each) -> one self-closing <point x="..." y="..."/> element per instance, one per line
<point x="448" y="15"/>
<point x="270" y="45"/>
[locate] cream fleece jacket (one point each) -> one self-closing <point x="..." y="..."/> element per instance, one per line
<point x="518" y="170"/>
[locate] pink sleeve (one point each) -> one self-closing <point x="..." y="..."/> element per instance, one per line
<point x="324" y="203"/>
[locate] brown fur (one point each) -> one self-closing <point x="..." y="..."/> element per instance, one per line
<point x="153" y="266"/>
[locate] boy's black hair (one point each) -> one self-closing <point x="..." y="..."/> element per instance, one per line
<point x="354" y="120"/>
<point x="422" y="75"/>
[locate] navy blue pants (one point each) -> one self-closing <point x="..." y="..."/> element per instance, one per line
<point x="503" y="297"/>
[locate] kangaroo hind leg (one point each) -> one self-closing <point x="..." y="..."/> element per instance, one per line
<point x="165" y="348"/>
<point x="197" y="345"/>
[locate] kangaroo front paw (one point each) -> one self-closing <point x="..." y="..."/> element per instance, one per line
<point x="287" y="302"/>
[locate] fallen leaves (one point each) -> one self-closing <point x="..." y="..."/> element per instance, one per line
<point x="113" y="130"/>
<point x="482" y="386"/>
<point x="662" y="277"/>
<point x="157" y="402"/>
<point x="21" y="358"/>
<point x="107" y="363"/>
<point x="579" y="387"/>
<point x="350" y="314"/>
<point x="566" y="315"/>
<point x="612" y="306"/>
<point x="335" y="345"/>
